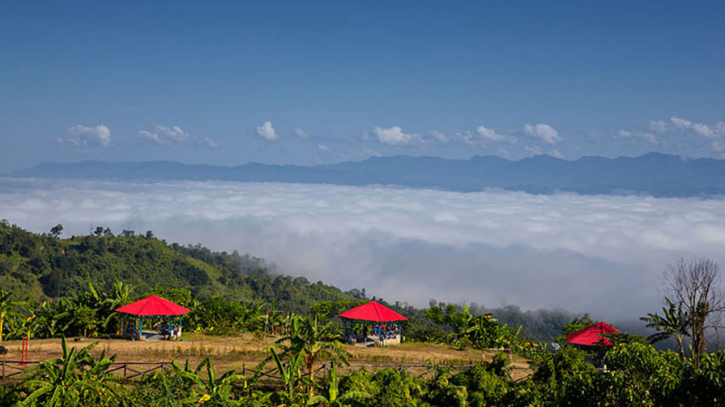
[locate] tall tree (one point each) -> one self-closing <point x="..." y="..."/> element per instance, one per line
<point x="695" y="285"/>
<point x="56" y="230"/>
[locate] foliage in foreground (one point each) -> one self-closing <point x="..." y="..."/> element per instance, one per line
<point x="638" y="375"/>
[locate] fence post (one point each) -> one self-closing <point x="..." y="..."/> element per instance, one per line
<point x="3" y="370"/>
<point x="244" y="369"/>
<point x="124" y="371"/>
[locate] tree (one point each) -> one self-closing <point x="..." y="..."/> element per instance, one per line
<point x="695" y="285"/>
<point x="56" y="230"/>
<point x="673" y="322"/>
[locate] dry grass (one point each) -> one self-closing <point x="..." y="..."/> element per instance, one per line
<point x="246" y="351"/>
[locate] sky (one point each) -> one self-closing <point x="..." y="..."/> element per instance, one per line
<point x="605" y="255"/>
<point x="230" y="83"/>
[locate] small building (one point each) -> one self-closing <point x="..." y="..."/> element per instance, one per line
<point x="593" y="336"/>
<point x="380" y="325"/>
<point x="153" y="308"/>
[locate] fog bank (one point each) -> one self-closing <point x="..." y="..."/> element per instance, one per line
<point x="599" y="254"/>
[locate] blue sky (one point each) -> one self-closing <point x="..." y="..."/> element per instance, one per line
<point x="316" y="82"/>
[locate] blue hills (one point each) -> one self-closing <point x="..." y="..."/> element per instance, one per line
<point x="655" y="174"/>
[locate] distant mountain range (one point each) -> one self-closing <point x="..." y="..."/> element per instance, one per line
<point x="655" y="174"/>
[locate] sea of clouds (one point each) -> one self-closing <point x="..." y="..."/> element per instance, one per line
<point x="599" y="254"/>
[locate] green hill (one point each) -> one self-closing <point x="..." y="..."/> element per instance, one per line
<point x="39" y="266"/>
<point x="45" y="266"/>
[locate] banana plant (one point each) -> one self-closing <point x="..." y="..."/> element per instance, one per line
<point x="290" y="374"/>
<point x="73" y="379"/>
<point x="216" y="390"/>
<point x="334" y="398"/>
<point x="8" y="309"/>
<point x="309" y="341"/>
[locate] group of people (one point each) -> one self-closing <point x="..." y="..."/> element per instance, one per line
<point x="386" y="331"/>
<point x="381" y="331"/>
<point x="168" y="332"/>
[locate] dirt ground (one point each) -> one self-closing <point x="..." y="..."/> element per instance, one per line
<point x="244" y="352"/>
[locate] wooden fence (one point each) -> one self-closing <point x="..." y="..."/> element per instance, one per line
<point x="13" y="369"/>
<point x="127" y="371"/>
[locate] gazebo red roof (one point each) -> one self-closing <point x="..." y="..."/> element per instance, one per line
<point x="373" y="311"/>
<point x="153" y="305"/>
<point x="592" y="336"/>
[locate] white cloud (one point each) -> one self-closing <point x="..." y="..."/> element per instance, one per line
<point x="437" y="135"/>
<point x="649" y="137"/>
<point x="482" y="136"/>
<point x="323" y="147"/>
<point x="267" y="131"/>
<point x="394" y="136"/>
<point x="556" y="153"/>
<point x="658" y="126"/>
<point x="533" y="150"/>
<point x="624" y="134"/>
<point x="703" y="130"/>
<point x="700" y="129"/>
<point x="544" y="132"/>
<point x="210" y="143"/>
<point x="174" y="136"/>
<point x="720" y="128"/>
<point x="681" y="124"/>
<point x="489" y="134"/>
<point x="300" y="133"/>
<point x="164" y="135"/>
<point x="81" y="136"/>
<point x="406" y="244"/>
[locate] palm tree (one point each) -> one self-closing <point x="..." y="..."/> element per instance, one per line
<point x="674" y="322"/>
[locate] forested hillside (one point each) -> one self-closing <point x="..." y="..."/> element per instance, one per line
<point x="48" y="266"/>
<point x="38" y="266"/>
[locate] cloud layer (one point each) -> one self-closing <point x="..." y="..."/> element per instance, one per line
<point x="602" y="254"/>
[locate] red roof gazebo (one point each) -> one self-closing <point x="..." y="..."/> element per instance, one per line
<point x="375" y="312"/>
<point x="154" y="306"/>
<point x="593" y="335"/>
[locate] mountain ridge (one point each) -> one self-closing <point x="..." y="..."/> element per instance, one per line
<point x="656" y="174"/>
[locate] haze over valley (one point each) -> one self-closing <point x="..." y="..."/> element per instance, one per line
<point x="600" y="254"/>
